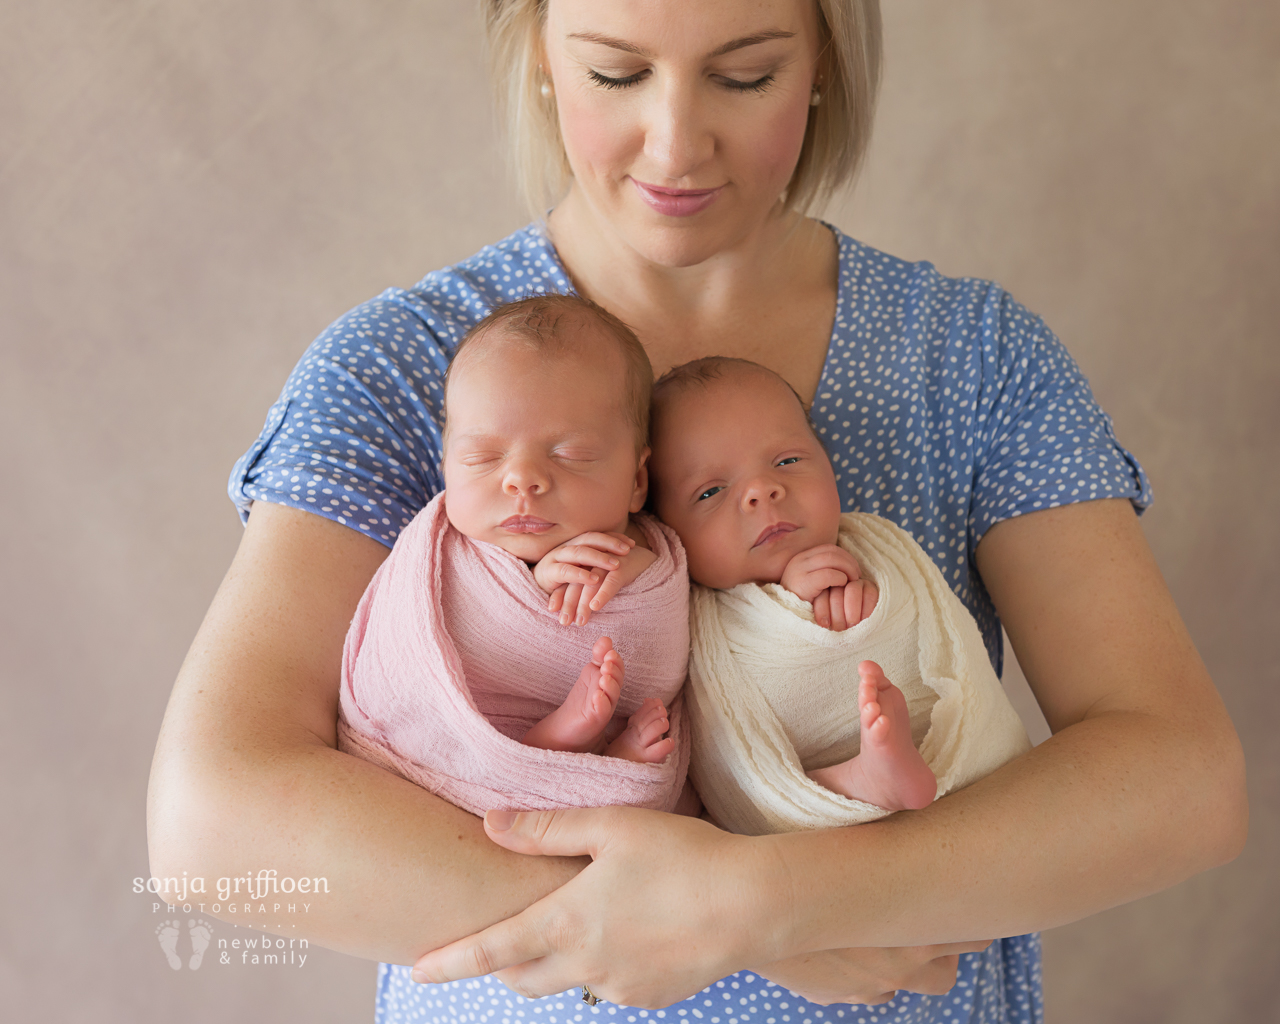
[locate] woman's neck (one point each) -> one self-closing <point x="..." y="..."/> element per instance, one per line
<point x="767" y="294"/>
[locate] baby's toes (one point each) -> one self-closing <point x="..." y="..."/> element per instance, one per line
<point x="878" y="729"/>
<point x="656" y="752"/>
<point x="651" y="731"/>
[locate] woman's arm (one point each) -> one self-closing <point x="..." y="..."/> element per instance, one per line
<point x="1141" y="786"/>
<point x="246" y="776"/>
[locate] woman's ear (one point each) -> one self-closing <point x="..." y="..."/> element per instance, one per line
<point x="641" y="491"/>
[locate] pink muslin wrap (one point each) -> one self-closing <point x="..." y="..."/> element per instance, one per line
<point x="452" y="656"/>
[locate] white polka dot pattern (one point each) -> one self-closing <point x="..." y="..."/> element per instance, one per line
<point x="944" y="404"/>
<point x="998" y="986"/>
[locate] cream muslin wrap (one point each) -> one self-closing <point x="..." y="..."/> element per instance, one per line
<point x="771" y="694"/>
<point x="452" y="656"/>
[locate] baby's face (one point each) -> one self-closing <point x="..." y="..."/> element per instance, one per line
<point x="540" y="449"/>
<point x="738" y="474"/>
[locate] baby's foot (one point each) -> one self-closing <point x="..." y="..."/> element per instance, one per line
<point x="579" y="723"/>
<point x="888" y="771"/>
<point x="642" y="739"/>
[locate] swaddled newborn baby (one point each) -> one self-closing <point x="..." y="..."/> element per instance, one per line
<point x="783" y="612"/>
<point x="526" y="620"/>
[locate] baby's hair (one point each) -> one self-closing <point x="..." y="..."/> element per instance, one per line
<point x="705" y="371"/>
<point x="538" y="323"/>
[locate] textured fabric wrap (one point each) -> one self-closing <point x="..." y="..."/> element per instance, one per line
<point x="452" y="655"/>
<point x="772" y="695"/>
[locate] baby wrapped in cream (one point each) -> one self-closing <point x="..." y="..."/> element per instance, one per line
<point x="794" y="603"/>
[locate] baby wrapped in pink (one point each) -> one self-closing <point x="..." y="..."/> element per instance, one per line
<point x="453" y="656"/>
<point x="533" y="625"/>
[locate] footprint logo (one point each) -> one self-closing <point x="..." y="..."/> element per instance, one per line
<point x="167" y="934"/>
<point x="200" y="933"/>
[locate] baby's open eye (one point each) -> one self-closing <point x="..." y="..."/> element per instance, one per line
<point x="710" y="492"/>
<point x="789" y="460"/>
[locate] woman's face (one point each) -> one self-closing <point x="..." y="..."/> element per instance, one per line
<point x="682" y="119"/>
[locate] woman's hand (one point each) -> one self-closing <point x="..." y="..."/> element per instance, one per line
<point x="869" y="975"/>
<point x="668" y="906"/>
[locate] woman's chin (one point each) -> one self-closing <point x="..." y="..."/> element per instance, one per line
<point x="688" y="242"/>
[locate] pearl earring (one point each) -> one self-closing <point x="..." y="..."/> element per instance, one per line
<point x="546" y="90"/>
<point x="815" y="97"/>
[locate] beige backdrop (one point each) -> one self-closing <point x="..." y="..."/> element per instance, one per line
<point x="190" y="191"/>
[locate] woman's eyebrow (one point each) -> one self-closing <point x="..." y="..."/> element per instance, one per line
<point x="729" y="47"/>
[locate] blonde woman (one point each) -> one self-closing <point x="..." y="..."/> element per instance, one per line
<point x="678" y="144"/>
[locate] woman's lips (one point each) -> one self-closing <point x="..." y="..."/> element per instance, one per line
<point x="677" y="202"/>
<point x="526" y="524"/>
<point x="774" y="531"/>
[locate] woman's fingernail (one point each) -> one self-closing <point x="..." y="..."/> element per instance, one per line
<point x="418" y="976"/>
<point x="499" y="821"/>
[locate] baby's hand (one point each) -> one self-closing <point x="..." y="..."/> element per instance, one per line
<point x="582" y="575"/>
<point x="829" y="578"/>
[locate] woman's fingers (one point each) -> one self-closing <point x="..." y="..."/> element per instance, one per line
<point x="506" y="944"/>
<point x="564" y="833"/>
<point x="637" y="924"/>
<point x="532" y="934"/>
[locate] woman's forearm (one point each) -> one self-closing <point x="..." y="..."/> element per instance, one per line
<point x="405" y="870"/>
<point x="1102" y="813"/>
<point x="1141" y="786"/>
<point x="246" y="777"/>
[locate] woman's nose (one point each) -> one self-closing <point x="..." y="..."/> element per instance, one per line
<point x="677" y="137"/>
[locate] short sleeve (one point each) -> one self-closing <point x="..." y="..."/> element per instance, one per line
<point x="355" y="434"/>
<point x="1042" y="439"/>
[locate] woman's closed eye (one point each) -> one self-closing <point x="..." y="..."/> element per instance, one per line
<point x="756" y="85"/>
<point x="615" y="83"/>
<point x="735" y="84"/>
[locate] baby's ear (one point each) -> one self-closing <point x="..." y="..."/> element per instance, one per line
<point x="641" y="491"/>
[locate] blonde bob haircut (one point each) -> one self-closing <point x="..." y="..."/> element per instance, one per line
<point x="835" y="140"/>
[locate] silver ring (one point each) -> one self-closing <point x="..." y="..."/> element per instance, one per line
<point x="589" y="997"/>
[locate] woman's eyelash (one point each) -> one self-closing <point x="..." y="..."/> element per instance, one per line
<point x="614" y="83"/>
<point x="759" y="85"/>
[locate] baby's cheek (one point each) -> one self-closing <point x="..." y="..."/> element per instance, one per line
<point x="714" y="566"/>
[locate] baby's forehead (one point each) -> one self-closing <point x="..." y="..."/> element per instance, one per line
<point x="748" y="394"/>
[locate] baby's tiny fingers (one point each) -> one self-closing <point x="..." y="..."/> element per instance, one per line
<point x="557" y="598"/>
<point x="569" y="610"/>
<point x="822" y="610"/>
<point x="611" y="584"/>
<point x="835" y="600"/>
<point x="870" y="598"/>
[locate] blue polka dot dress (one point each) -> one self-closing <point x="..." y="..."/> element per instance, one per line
<point x="944" y="404"/>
